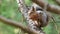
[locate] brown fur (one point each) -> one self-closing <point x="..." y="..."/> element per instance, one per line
<point x="38" y="17"/>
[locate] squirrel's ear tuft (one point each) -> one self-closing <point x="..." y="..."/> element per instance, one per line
<point x="33" y="9"/>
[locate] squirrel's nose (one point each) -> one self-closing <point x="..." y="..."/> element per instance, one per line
<point x="41" y="13"/>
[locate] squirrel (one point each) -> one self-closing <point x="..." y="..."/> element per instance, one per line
<point x="41" y="18"/>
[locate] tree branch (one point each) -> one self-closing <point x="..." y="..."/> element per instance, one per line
<point x="57" y="1"/>
<point x="24" y="11"/>
<point x="22" y="7"/>
<point x="17" y="24"/>
<point x="51" y="8"/>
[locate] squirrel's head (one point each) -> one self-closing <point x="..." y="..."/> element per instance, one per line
<point x="35" y="10"/>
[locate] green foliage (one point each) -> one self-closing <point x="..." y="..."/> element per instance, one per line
<point x="28" y="2"/>
<point x="9" y="9"/>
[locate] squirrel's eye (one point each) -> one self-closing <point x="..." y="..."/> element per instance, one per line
<point x="38" y="8"/>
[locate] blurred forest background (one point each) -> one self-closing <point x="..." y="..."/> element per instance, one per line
<point x="9" y="9"/>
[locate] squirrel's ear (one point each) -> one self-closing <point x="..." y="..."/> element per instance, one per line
<point x="33" y="9"/>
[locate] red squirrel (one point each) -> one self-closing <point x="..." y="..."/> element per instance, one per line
<point x="41" y="18"/>
<point x="38" y="18"/>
